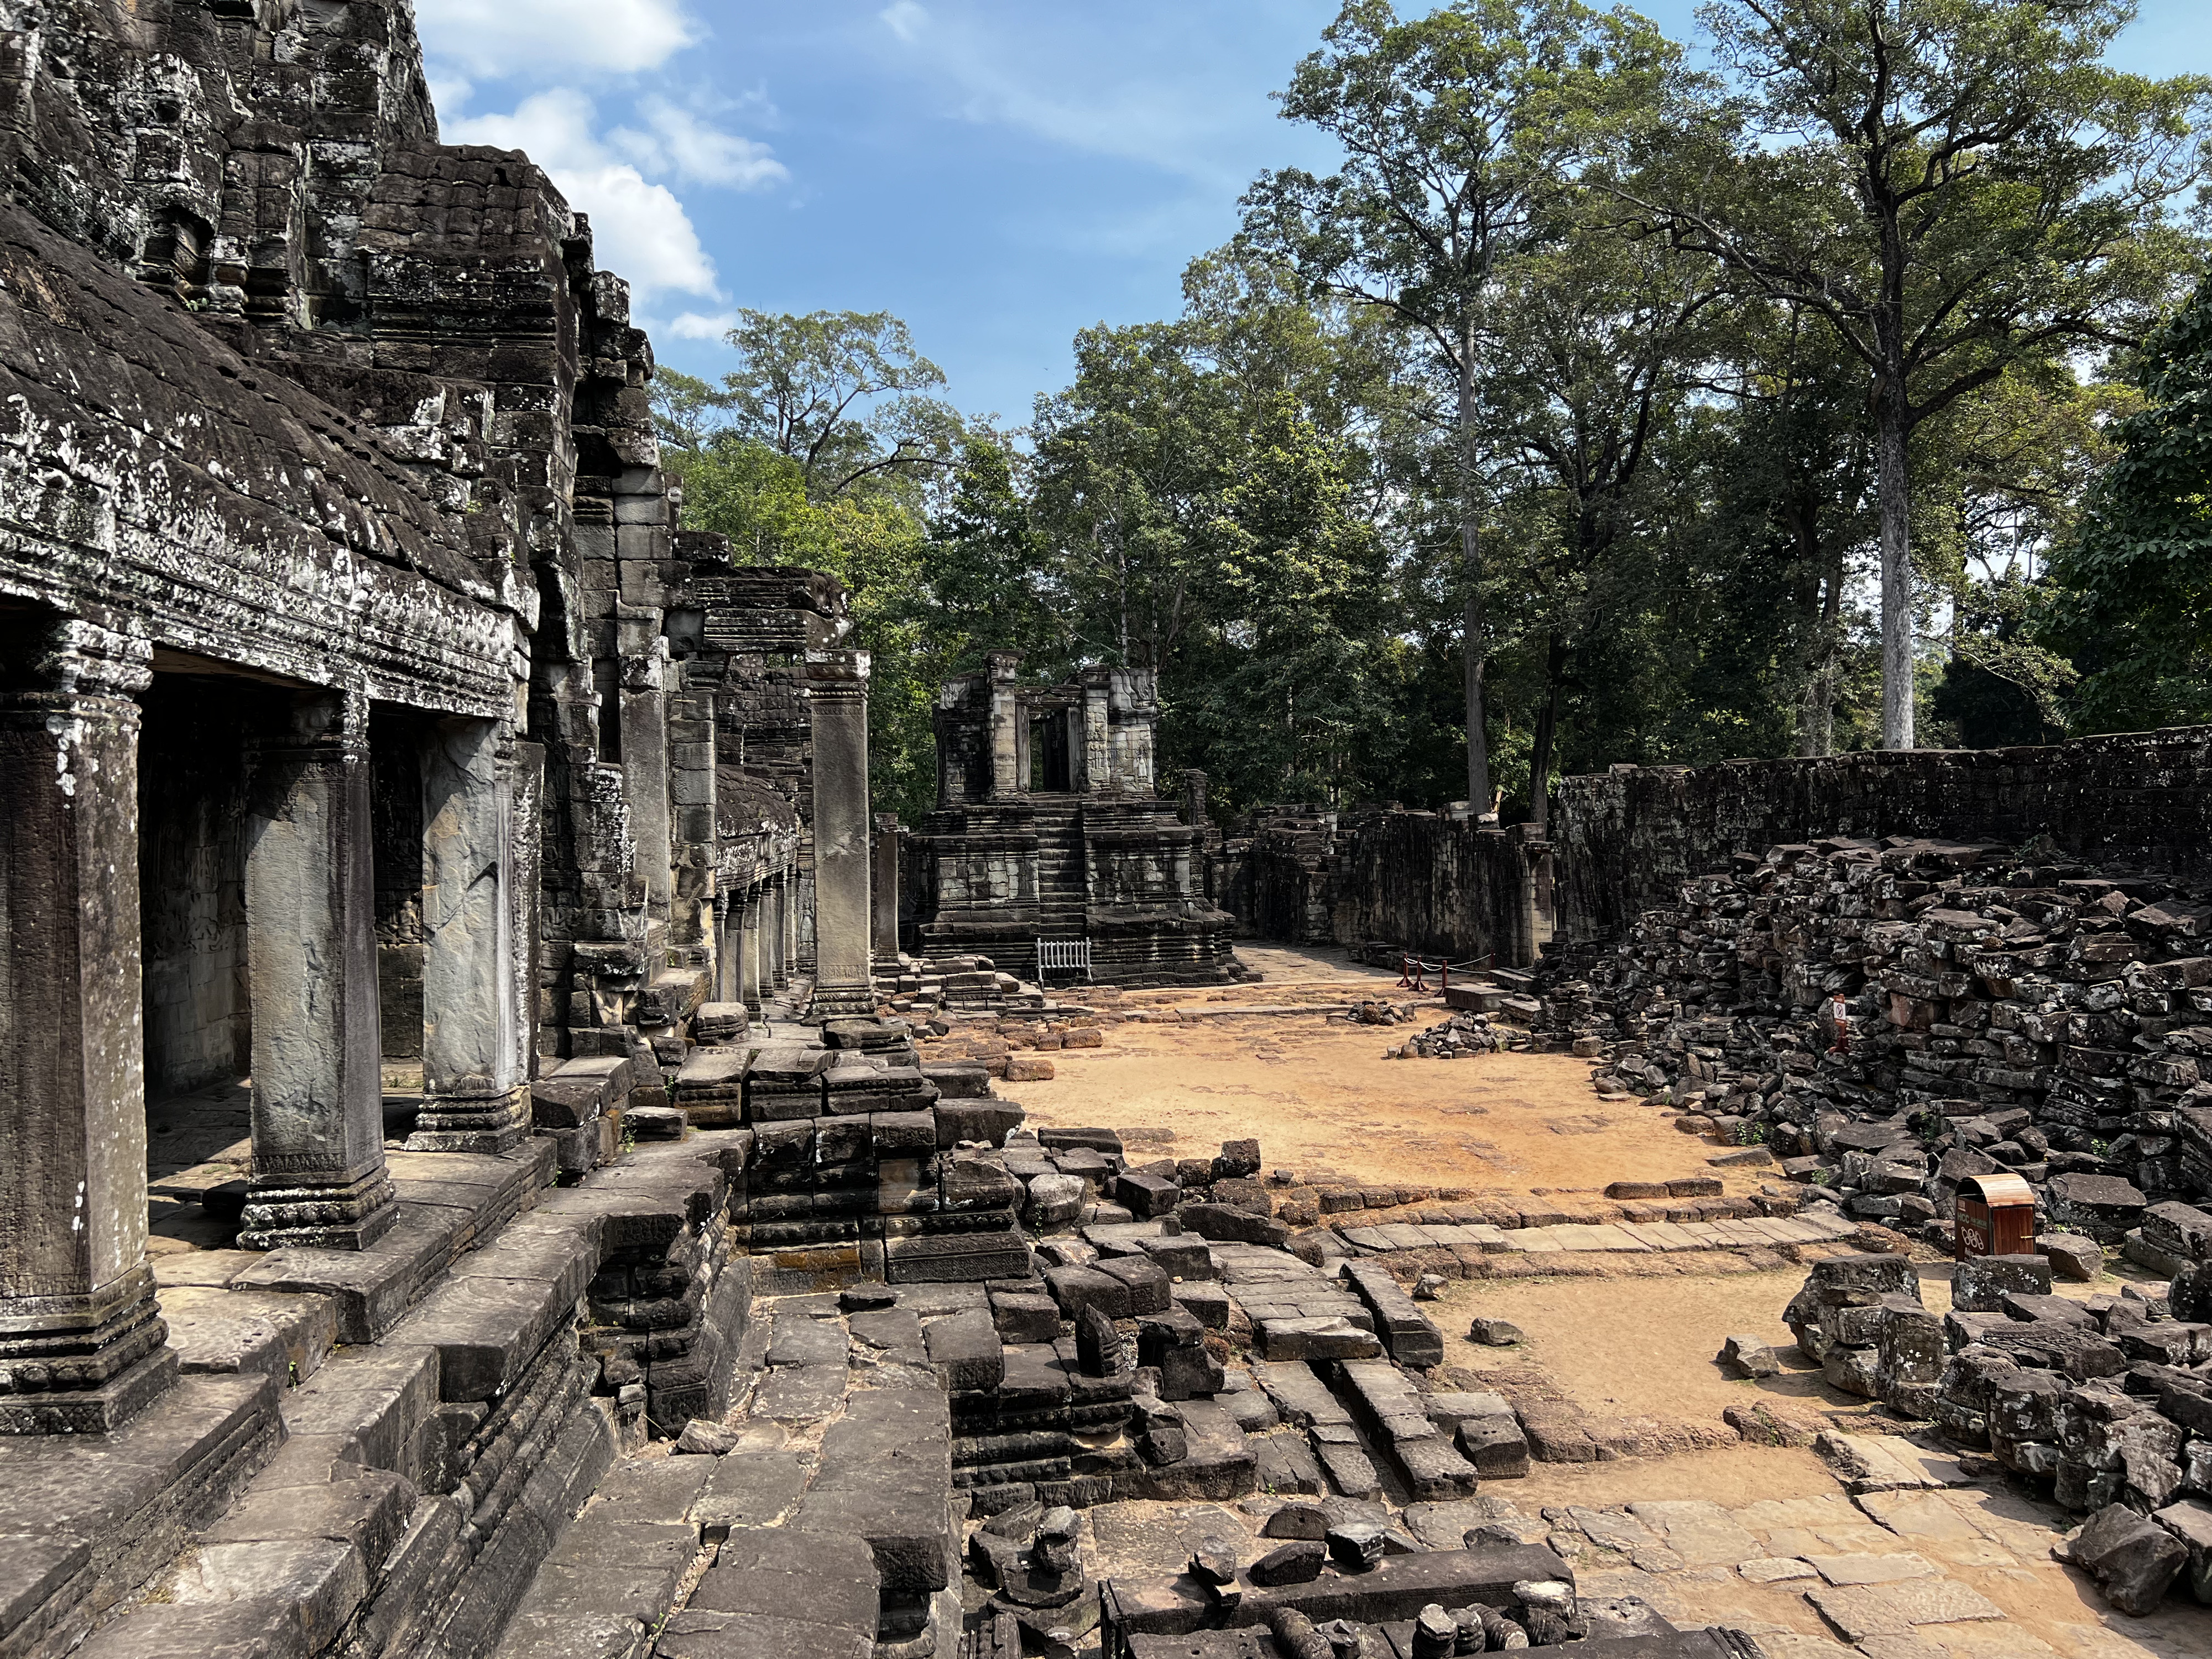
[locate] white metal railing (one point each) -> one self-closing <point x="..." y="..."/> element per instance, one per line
<point x="1068" y="955"/>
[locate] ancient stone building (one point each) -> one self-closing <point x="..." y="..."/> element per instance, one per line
<point x="367" y="720"/>
<point x="1049" y="827"/>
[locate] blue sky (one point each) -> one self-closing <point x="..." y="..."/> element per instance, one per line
<point x="998" y="173"/>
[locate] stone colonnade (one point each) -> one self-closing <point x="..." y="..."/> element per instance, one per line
<point x="753" y="932"/>
<point x="82" y="1340"/>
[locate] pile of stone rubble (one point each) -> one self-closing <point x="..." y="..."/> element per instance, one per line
<point x="1464" y="1033"/>
<point x="927" y="985"/>
<point x="2108" y="1400"/>
<point x="1912" y="1013"/>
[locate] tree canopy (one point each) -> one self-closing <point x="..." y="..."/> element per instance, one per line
<point x="1594" y="409"/>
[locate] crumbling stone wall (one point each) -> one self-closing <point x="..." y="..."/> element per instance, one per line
<point x="1396" y="881"/>
<point x="1630" y="835"/>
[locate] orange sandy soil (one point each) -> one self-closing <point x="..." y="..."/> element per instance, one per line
<point x="1322" y="1101"/>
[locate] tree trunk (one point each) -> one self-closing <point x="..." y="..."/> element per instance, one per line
<point x="1548" y="725"/>
<point x="1470" y="548"/>
<point x="1816" y="713"/>
<point x="1892" y="427"/>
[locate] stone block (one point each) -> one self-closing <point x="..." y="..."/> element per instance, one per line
<point x="1496" y="1446"/>
<point x="1023" y="1316"/>
<point x="966" y="1352"/>
<point x="1979" y="1283"/>
<point x="1077" y="1288"/>
<point x="2134" y="1560"/>
<point x="1184" y="1256"/>
<point x="1146" y="1280"/>
<point x="2075" y="1256"/>
<point x="1224" y="1223"/>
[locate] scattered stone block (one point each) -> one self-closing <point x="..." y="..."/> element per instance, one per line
<point x="2134" y="1560"/>
<point x="1297" y="1563"/>
<point x="704" y="1436"/>
<point x="1980" y="1284"/>
<point x="1225" y="1223"/>
<point x="2075" y="1256"/>
<point x="1496" y="1333"/>
<point x="1750" y="1356"/>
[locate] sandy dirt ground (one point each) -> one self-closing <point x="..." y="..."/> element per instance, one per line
<point x="1638" y="1347"/>
<point x="1322" y="1101"/>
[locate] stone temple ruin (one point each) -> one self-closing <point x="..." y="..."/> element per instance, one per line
<point x="1050" y="828"/>
<point x="463" y="1190"/>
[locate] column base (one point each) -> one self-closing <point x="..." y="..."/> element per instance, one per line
<point x="843" y="1002"/>
<point x="493" y="1123"/>
<point x="282" y="1212"/>
<point x="91" y="1411"/>
<point x="86" y="1379"/>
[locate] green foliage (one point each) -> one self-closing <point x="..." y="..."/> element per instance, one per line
<point x="1588" y="372"/>
<point x="2134" y="597"/>
<point x="1957" y="187"/>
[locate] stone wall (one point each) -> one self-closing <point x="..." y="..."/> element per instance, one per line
<point x="1408" y="881"/>
<point x="1628" y="837"/>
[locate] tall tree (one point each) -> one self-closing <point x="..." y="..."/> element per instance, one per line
<point x="1458" y="130"/>
<point x="1594" y="343"/>
<point x="1955" y="186"/>
<point x="2134" y="584"/>
<point x="843" y="393"/>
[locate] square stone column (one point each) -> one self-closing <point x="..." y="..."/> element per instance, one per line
<point x="82" y="1340"/>
<point x="1008" y="731"/>
<point x="886" y="876"/>
<point x="748" y="907"/>
<point x="775" y="932"/>
<point x="728" y="909"/>
<point x="318" y="1099"/>
<point x="476" y="1072"/>
<point x="844" y="976"/>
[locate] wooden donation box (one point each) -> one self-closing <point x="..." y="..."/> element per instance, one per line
<point x="1996" y="1217"/>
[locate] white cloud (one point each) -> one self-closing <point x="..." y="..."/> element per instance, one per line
<point x="1068" y="78"/>
<point x="497" y="38"/>
<point x="678" y="142"/>
<point x="639" y="228"/>
<point x="691" y="325"/>
<point x="905" y="19"/>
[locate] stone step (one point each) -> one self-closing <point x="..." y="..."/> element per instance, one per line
<point x="615" y="1573"/>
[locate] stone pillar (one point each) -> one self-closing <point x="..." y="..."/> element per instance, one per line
<point x="749" y="949"/>
<point x="793" y="896"/>
<point x="1097" y="730"/>
<point x="1194" y="799"/>
<point x="844" y="979"/>
<point x="476" y="1073"/>
<point x="81" y="1337"/>
<point x="726" y="948"/>
<point x="318" y="1101"/>
<point x="885" y="874"/>
<point x="1006" y="732"/>
<point x="774" y="970"/>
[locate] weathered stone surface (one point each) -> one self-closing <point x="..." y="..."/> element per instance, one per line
<point x="2134" y="1560"/>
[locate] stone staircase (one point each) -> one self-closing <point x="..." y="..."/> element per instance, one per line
<point x="371" y="1450"/>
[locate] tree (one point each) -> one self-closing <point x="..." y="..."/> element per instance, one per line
<point x="2133" y="586"/>
<point x="1594" y="342"/>
<point x="843" y="393"/>
<point x="1954" y="186"/>
<point x="1458" y="129"/>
